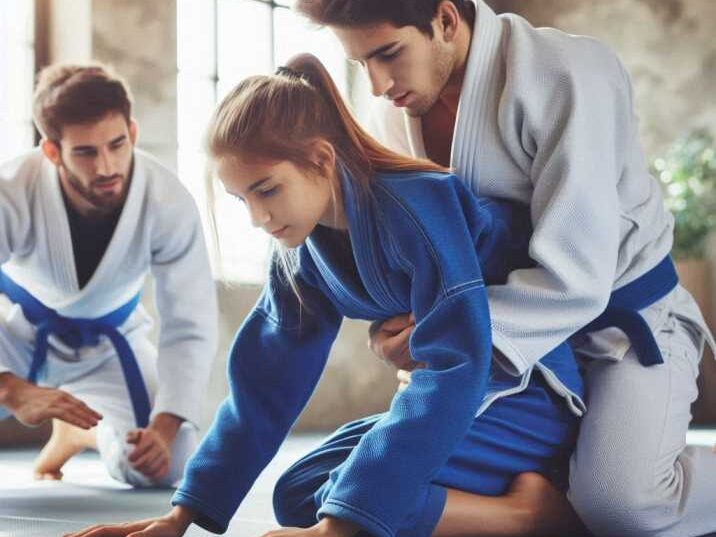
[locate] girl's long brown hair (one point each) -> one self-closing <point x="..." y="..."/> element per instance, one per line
<point x="279" y="117"/>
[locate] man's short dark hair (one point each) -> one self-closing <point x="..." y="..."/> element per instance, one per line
<point x="399" y="13"/>
<point x="77" y="94"/>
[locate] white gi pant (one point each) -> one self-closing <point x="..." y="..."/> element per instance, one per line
<point x="631" y="473"/>
<point x="94" y="376"/>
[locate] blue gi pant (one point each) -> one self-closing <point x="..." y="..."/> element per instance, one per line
<point x="531" y="431"/>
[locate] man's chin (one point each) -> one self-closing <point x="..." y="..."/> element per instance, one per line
<point x="417" y="109"/>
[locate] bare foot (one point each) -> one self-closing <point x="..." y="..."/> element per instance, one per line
<point x="65" y="442"/>
<point x="551" y="513"/>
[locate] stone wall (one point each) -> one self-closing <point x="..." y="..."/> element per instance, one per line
<point x="667" y="46"/>
<point x="138" y="38"/>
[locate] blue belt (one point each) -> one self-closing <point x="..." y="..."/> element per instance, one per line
<point x="77" y="333"/>
<point x="623" y="310"/>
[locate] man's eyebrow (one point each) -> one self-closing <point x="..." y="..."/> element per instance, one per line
<point x="84" y="148"/>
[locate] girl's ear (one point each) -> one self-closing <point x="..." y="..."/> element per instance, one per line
<point x="323" y="155"/>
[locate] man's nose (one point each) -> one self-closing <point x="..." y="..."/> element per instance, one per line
<point x="380" y="80"/>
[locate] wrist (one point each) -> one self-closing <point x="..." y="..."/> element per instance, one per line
<point x="10" y="388"/>
<point x="181" y="516"/>
<point x="166" y="425"/>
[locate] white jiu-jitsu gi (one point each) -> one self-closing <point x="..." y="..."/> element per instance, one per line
<point x="547" y="118"/>
<point x="159" y="230"/>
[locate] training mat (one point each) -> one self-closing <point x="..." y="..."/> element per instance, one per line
<point x="87" y="496"/>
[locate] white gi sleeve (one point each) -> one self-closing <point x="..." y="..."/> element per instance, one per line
<point x="186" y="302"/>
<point x="577" y="126"/>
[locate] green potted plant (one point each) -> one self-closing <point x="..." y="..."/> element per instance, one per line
<point x="688" y="175"/>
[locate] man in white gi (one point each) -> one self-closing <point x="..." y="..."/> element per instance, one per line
<point x="546" y="118"/>
<point x="83" y="219"/>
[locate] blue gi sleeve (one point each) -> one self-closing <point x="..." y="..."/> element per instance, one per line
<point x="387" y="477"/>
<point x="274" y="364"/>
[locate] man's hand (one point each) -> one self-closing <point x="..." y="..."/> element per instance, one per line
<point x="152" y="452"/>
<point x="33" y="405"/>
<point x="389" y="341"/>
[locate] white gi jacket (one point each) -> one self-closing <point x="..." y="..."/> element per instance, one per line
<point x="547" y="118"/>
<point x="159" y="230"/>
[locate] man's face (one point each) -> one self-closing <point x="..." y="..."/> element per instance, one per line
<point x="94" y="163"/>
<point x="403" y="64"/>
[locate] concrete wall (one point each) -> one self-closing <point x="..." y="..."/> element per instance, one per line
<point x="667" y="46"/>
<point x="138" y="38"/>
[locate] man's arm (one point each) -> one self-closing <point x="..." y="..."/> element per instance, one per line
<point x="33" y="405"/>
<point x="186" y="303"/>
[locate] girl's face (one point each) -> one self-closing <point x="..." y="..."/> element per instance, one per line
<point x="282" y="199"/>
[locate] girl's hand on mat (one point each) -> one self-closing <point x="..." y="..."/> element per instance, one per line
<point x="151" y="455"/>
<point x="327" y="527"/>
<point x="33" y="405"/>
<point x="174" y="524"/>
<point x="389" y="340"/>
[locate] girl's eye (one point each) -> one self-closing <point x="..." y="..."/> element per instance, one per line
<point x="268" y="193"/>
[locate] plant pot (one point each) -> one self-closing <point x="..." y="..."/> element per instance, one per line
<point x="696" y="275"/>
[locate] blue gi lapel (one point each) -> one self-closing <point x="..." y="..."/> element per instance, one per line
<point x="369" y="297"/>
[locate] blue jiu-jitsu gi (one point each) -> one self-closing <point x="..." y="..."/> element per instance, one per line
<point x="421" y="243"/>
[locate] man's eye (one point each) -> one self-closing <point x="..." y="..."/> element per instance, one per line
<point x="387" y="56"/>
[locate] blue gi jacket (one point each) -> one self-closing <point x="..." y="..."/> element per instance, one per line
<point x="421" y="243"/>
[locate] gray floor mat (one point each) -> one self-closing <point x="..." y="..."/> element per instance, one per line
<point x="88" y="496"/>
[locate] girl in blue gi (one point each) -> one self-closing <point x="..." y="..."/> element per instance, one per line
<point x="367" y="233"/>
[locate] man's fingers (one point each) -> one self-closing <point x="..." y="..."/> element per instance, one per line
<point x="158" y="469"/>
<point x="69" y="399"/>
<point x="397" y="324"/>
<point x="143" y="447"/>
<point x="396" y="349"/>
<point x="90" y="412"/>
<point x="145" y="462"/>
<point x="68" y="416"/>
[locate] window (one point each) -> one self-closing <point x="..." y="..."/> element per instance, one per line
<point x="17" y="65"/>
<point x="220" y="42"/>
